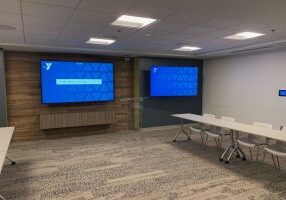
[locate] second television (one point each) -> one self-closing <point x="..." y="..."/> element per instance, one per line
<point x="174" y="81"/>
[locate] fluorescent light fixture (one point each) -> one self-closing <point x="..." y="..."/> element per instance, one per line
<point x="101" y="41"/>
<point x="188" y="48"/>
<point x="244" y="36"/>
<point x="132" y="21"/>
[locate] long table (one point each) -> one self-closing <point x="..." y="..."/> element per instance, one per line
<point x="233" y="126"/>
<point x="5" y="138"/>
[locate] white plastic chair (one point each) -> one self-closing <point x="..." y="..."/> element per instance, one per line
<point x="217" y="134"/>
<point x="200" y="128"/>
<point x="276" y="150"/>
<point x="252" y="141"/>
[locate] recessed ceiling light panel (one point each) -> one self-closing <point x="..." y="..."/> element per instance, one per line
<point x="244" y="36"/>
<point x="132" y="21"/>
<point x="100" y="41"/>
<point x="187" y="48"/>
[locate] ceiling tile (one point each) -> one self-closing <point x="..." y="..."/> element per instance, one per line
<point x="72" y="38"/>
<point x="187" y="18"/>
<point x="147" y="34"/>
<point x="170" y="4"/>
<point x="83" y="26"/>
<point x="148" y="11"/>
<point x="108" y="6"/>
<point x="10" y="19"/>
<point x="39" y="30"/>
<point x="173" y="38"/>
<point x="46" y="11"/>
<point x="199" y="40"/>
<point x="165" y="26"/>
<point x="116" y="32"/>
<point x="12" y="36"/>
<point x="194" y="30"/>
<point x="93" y="17"/>
<point x="64" y="3"/>
<point x="218" y="22"/>
<point x="44" y="22"/>
<point x="10" y="6"/>
<point x="43" y="39"/>
<point x="220" y="33"/>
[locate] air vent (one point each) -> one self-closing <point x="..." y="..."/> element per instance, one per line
<point x="253" y="49"/>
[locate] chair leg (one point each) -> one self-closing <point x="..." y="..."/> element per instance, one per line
<point x="220" y="143"/>
<point x="273" y="160"/>
<point x="257" y="155"/>
<point x="278" y="164"/>
<point x="217" y="145"/>
<point x="1" y="197"/>
<point x="202" y="138"/>
<point x="13" y="162"/>
<point x="250" y="151"/>
<point x="206" y="141"/>
<point x="264" y="154"/>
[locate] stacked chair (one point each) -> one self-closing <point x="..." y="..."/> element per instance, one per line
<point x="218" y="133"/>
<point x="201" y="128"/>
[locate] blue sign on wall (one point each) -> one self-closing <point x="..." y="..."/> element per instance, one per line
<point x="282" y="93"/>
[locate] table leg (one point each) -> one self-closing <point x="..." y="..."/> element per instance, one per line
<point x="235" y="148"/>
<point x="181" y="131"/>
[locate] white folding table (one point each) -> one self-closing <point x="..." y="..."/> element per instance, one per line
<point x="233" y="126"/>
<point x="5" y="138"/>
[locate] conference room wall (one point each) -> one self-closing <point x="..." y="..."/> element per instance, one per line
<point x="24" y="96"/>
<point x="246" y="87"/>
<point x="3" y="106"/>
<point x="156" y="111"/>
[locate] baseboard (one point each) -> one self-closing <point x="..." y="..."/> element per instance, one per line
<point x="157" y="128"/>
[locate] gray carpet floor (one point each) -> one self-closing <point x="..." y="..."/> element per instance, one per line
<point x="134" y="165"/>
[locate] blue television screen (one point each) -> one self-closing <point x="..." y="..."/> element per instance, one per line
<point x="67" y="82"/>
<point x="173" y="81"/>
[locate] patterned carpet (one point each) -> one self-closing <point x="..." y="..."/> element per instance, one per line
<point x="133" y="166"/>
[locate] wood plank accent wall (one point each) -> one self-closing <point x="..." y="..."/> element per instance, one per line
<point x="24" y="96"/>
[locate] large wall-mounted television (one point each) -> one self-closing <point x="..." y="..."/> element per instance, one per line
<point x="173" y="81"/>
<point x="71" y="82"/>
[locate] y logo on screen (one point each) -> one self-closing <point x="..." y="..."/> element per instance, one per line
<point x="48" y="66"/>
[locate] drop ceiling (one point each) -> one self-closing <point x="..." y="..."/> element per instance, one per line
<point x="66" y="25"/>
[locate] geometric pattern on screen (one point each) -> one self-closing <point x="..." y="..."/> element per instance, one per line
<point x="64" y="82"/>
<point x="173" y="81"/>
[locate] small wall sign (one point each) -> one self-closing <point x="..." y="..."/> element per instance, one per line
<point x="282" y="93"/>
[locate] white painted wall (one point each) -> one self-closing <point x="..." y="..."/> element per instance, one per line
<point x="246" y="87"/>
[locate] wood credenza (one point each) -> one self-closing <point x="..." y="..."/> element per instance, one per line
<point x="74" y="119"/>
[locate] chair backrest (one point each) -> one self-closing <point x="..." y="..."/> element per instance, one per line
<point x="280" y="142"/>
<point x="262" y="125"/>
<point x="229" y="119"/>
<point x="209" y="115"/>
<point x="5" y="138"/>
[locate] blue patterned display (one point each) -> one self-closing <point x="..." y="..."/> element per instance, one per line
<point x="173" y="81"/>
<point x="64" y="82"/>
